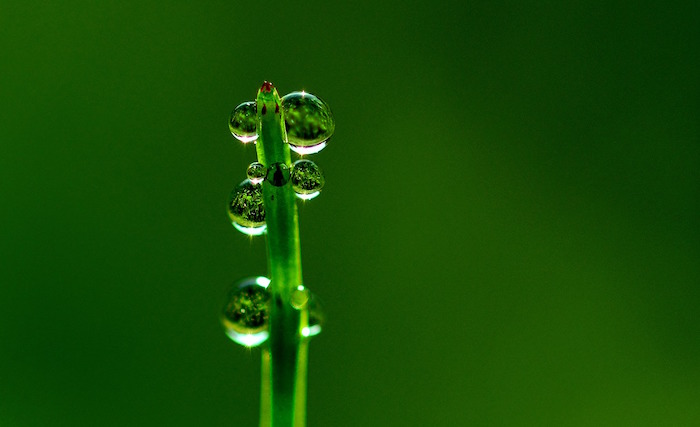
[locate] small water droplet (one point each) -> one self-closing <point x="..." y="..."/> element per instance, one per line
<point x="246" y="210"/>
<point x="300" y="297"/>
<point x="256" y="172"/>
<point x="307" y="179"/>
<point x="316" y="317"/>
<point x="308" y="121"/>
<point x="242" y="122"/>
<point x="245" y="315"/>
<point x="277" y="174"/>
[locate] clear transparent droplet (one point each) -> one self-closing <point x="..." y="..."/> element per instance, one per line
<point x="300" y="297"/>
<point x="277" y="174"/>
<point x="242" y="122"/>
<point x="245" y="315"/>
<point x="307" y="179"/>
<point x="256" y="172"/>
<point x="308" y="121"/>
<point x="316" y="318"/>
<point x="246" y="210"/>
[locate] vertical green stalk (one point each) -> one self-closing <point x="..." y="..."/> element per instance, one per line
<point x="277" y="311"/>
<point x="284" y="377"/>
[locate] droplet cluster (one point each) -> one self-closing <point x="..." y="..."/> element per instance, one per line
<point x="307" y="124"/>
<point x="245" y="316"/>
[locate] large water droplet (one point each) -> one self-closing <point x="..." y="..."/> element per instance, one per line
<point x="316" y="318"/>
<point x="309" y="122"/>
<point x="307" y="179"/>
<point x="242" y="122"/>
<point x="246" y="210"/>
<point x="277" y="174"/>
<point x="256" y="172"/>
<point x="245" y="315"/>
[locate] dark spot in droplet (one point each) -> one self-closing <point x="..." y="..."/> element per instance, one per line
<point x="278" y="174"/>
<point x="272" y="197"/>
<point x="264" y="109"/>
<point x="277" y="108"/>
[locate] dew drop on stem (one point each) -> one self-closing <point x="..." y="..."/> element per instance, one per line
<point x="307" y="179"/>
<point x="245" y="316"/>
<point x="246" y="209"/>
<point x="308" y="121"/>
<point x="256" y="172"/>
<point x="300" y="297"/>
<point x="242" y="122"/>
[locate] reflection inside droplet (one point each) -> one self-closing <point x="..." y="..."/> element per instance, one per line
<point x="278" y="174"/>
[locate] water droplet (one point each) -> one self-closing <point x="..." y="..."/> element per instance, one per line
<point x="316" y="318"/>
<point x="256" y="172"/>
<point x="300" y="297"/>
<point x="245" y="315"/>
<point x="242" y="122"/>
<point x="246" y="210"/>
<point x="277" y="174"/>
<point x="309" y="122"/>
<point x="307" y="179"/>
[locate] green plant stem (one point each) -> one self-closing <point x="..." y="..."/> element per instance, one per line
<point x="286" y="358"/>
<point x="265" y="390"/>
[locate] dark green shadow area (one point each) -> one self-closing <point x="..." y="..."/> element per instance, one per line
<point x="507" y="234"/>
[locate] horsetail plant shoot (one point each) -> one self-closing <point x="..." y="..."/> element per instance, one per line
<point x="278" y="313"/>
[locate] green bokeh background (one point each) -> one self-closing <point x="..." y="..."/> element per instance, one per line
<point x="508" y="235"/>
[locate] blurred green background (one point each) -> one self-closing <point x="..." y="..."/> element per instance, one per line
<point x="508" y="234"/>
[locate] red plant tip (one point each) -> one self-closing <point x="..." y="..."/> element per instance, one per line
<point x="266" y="87"/>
